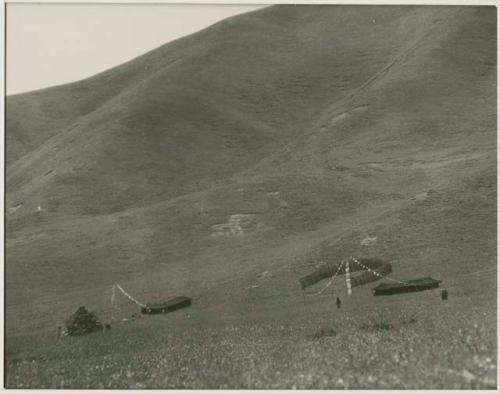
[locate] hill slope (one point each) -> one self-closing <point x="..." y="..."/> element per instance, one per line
<point x="266" y="142"/>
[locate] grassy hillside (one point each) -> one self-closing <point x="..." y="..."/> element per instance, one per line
<point x="228" y="163"/>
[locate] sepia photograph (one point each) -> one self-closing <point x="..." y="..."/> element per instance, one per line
<point x="250" y="196"/>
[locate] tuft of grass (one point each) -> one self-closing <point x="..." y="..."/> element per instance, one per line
<point x="324" y="332"/>
<point x="405" y="319"/>
<point x="378" y="323"/>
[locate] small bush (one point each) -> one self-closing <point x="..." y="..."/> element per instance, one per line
<point x="324" y="332"/>
<point x="378" y="323"/>
<point x="404" y="319"/>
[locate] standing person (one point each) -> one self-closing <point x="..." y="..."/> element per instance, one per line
<point x="338" y="303"/>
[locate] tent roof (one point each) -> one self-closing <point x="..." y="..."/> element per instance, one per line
<point x="419" y="282"/>
<point x="173" y="301"/>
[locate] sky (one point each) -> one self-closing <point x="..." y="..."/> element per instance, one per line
<point x="53" y="44"/>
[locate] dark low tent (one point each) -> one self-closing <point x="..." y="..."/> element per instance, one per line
<point x="419" y="284"/>
<point x="371" y="276"/>
<point x="378" y="266"/>
<point x="168" y="306"/>
<point x="83" y="322"/>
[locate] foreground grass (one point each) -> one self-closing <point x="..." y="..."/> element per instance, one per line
<point x="383" y="349"/>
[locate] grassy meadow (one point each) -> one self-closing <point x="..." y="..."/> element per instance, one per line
<point x="412" y="341"/>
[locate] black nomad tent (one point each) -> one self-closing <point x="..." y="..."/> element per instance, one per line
<point x="407" y="286"/>
<point x="378" y="268"/>
<point x="168" y="306"/>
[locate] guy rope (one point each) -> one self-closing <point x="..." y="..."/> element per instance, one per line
<point x="375" y="272"/>
<point x="117" y="286"/>
<point x="329" y="283"/>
